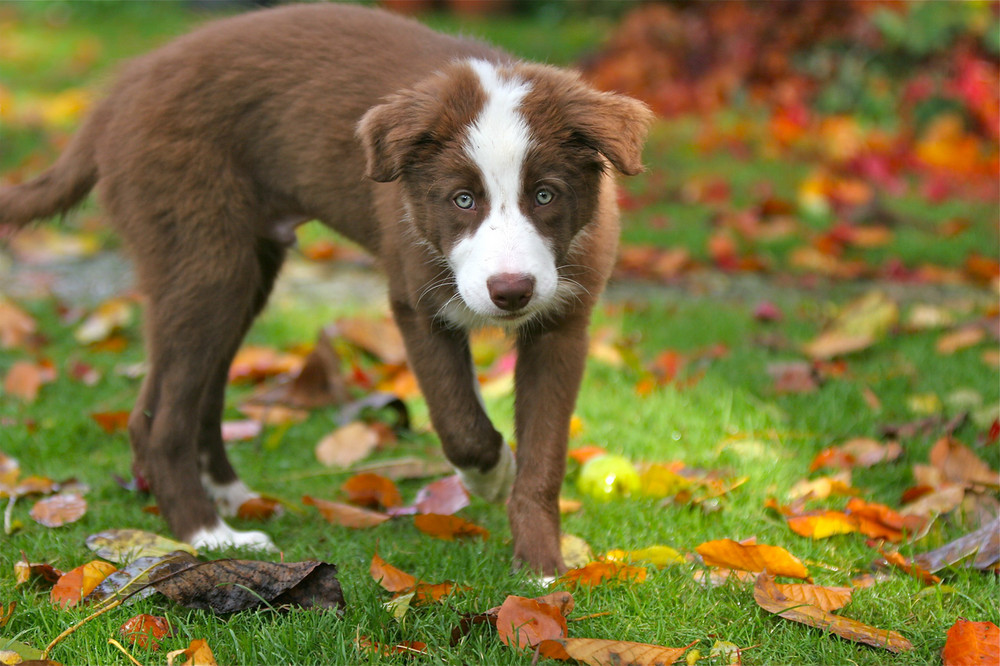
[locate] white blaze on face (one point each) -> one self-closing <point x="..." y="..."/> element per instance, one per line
<point x="506" y="241"/>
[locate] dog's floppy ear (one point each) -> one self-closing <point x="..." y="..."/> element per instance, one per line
<point x="388" y="133"/>
<point x="615" y="126"/>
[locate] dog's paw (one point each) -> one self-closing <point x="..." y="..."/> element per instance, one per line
<point x="494" y="485"/>
<point x="222" y="536"/>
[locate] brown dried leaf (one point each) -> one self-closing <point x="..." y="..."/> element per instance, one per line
<point x="111" y="422"/>
<point x="259" y="508"/>
<point x="59" y="510"/>
<point x="600" y="652"/>
<point x="770" y="598"/>
<point x="347" y="445"/>
<point x="346" y="515"/>
<point x="448" y="527"/>
<point x="24" y="571"/>
<point x="912" y="568"/>
<point x="752" y="557"/>
<point x="379" y="337"/>
<point x="523" y="622"/>
<point x="228" y="586"/>
<point x="960" y="338"/>
<point x="959" y="464"/>
<point x="985" y="541"/>
<point x="971" y="644"/>
<point x="389" y="577"/>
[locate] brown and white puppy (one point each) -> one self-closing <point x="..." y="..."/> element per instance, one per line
<point x="483" y="185"/>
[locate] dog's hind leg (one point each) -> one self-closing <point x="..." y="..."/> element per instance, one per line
<point x="198" y="312"/>
<point x="217" y="474"/>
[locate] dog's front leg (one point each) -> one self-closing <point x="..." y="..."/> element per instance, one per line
<point x="547" y="378"/>
<point x="440" y="358"/>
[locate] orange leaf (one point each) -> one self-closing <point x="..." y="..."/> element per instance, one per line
<point x="582" y="454"/>
<point x="370" y="489"/>
<point x="958" y="463"/>
<point x="24" y="379"/>
<point x="379" y="337"/>
<point x="59" y="510"/>
<point x="389" y="577"/>
<point x="859" y="452"/>
<point x="912" y="568"/>
<point x="144" y="630"/>
<point x="600" y="572"/>
<point x="428" y="593"/>
<point x="972" y="644"/>
<point x="752" y="557"/>
<point x="16" y="325"/>
<point x="448" y="527"/>
<point x="77" y="583"/>
<point x="599" y="652"/>
<point x="196" y="654"/>
<point x="346" y="515"/>
<point x="526" y="622"/>
<point x="111" y="422"/>
<point x="827" y="598"/>
<point x="258" y="508"/>
<point x="254" y="364"/>
<point x="880" y="522"/>
<point x="961" y="338"/>
<point x="770" y="598"/>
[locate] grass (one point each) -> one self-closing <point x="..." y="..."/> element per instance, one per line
<point x="730" y="419"/>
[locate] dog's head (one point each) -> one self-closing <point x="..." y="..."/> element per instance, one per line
<point x="501" y="167"/>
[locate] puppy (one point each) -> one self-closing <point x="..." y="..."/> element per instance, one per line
<point x="484" y="186"/>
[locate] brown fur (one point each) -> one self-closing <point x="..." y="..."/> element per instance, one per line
<point x="208" y="152"/>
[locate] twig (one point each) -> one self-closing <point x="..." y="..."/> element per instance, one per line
<point x="587" y="617"/>
<point x="124" y="651"/>
<point x="60" y="637"/>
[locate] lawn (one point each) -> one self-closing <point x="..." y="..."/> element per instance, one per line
<point x="704" y="359"/>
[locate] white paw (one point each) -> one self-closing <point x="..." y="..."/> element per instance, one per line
<point x="494" y="485"/>
<point x="228" y="497"/>
<point x="223" y="536"/>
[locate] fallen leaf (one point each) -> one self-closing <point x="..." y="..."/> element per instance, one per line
<point x="320" y="381"/>
<point x="405" y="468"/>
<point x="347" y="445"/>
<point x="523" y="622"/>
<point x="448" y="527"/>
<point x="372" y="490"/>
<point x="253" y="364"/>
<point x="858" y="452"/>
<point x="389" y="577"/>
<point x="821" y="524"/>
<point x="959" y="464"/>
<point x="111" y="422"/>
<point x="133" y="580"/>
<point x="346" y="515"/>
<point x="428" y="593"/>
<point x="602" y="572"/>
<point x="242" y="430"/>
<point x="881" y="522"/>
<point x="122" y="545"/>
<point x="228" y="586"/>
<point x="108" y="318"/>
<point x="259" y="508"/>
<point x="77" y="583"/>
<point x="25" y="379"/>
<point x="601" y="652"/>
<point x="24" y="571"/>
<point x="971" y="644"/>
<point x="196" y="654"/>
<point x="823" y="487"/>
<point x="145" y="630"/>
<point x="827" y="598"/>
<point x="6" y="612"/>
<point x="659" y="556"/>
<point x="379" y="337"/>
<point x="752" y="557"/>
<point x="912" y="568"/>
<point x="985" y="541"/>
<point x="770" y="598"/>
<point x="16" y="325"/>
<point x="582" y="454"/>
<point x="444" y="496"/>
<point x="961" y="338"/>
<point x="794" y="377"/>
<point x="575" y="551"/>
<point x="59" y="510"/>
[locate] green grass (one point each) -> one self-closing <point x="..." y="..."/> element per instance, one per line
<point x="730" y="419"/>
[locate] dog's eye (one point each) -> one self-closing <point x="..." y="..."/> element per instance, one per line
<point x="544" y="196"/>
<point x="465" y="201"/>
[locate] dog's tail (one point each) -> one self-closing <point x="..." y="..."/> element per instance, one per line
<point x="60" y="187"/>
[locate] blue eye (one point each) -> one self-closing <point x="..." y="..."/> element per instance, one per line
<point x="544" y="196"/>
<point x="465" y="201"/>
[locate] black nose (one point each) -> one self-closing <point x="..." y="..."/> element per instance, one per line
<point x="511" y="291"/>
